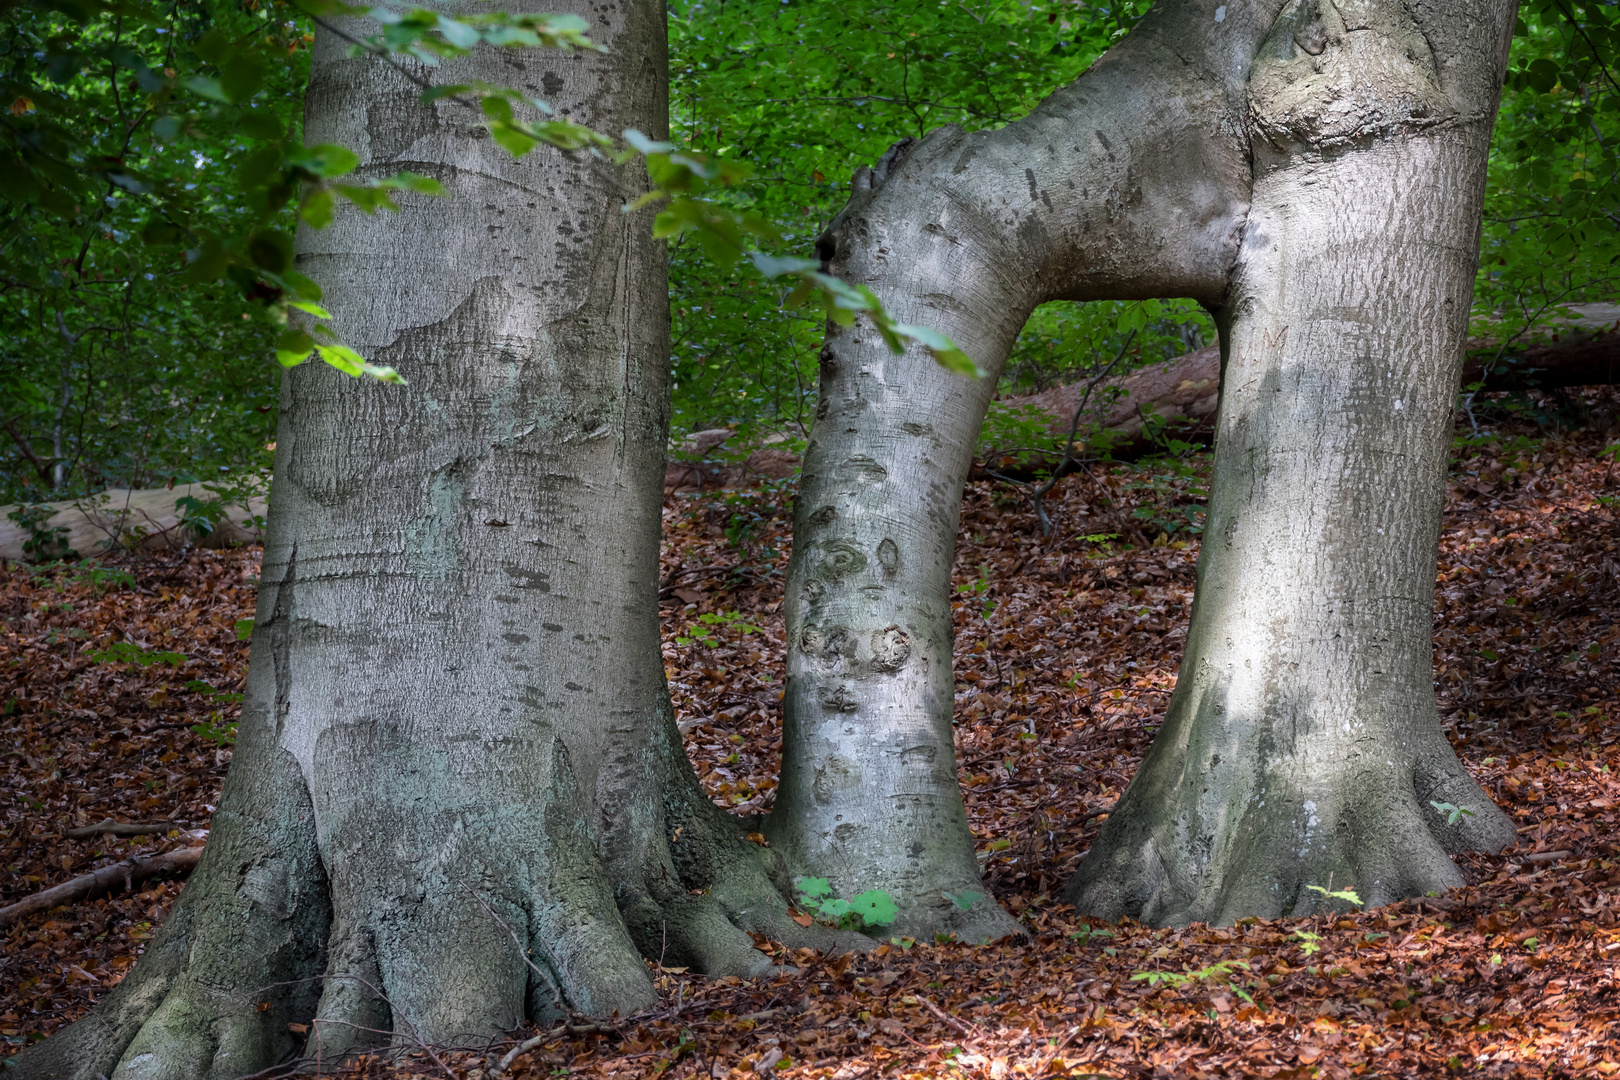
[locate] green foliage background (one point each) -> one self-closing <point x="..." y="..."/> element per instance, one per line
<point x="112" y="352"/>
<point x="807" y="91"/>
<point x="151" y="163"/>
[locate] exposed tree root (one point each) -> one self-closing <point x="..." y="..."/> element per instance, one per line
<point x="1175" y="853"/>
<point x="697" y="902"/>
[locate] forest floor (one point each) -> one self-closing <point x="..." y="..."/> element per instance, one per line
<point x="1067" y="649"/>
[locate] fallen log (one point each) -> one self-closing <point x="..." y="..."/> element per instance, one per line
<point x="181" y="861"/>
<point x="1577" y="359"/>
<point x="1183" y="393"/>
<point x="121" y="519"/>
<point x="766" y="463"/>
<point x="1186" y="391"/>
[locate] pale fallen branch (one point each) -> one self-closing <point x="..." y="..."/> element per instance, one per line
<point x="126" y="873"/>
<point x="546" y="1036"/>
<point x="1548" y="856"/>
<point x="120" y="828"/>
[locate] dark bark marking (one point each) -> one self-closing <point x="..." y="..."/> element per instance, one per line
<point x="839" y="699"/>
<point x="890" y="648"/>
<point x="839" y="559"/>
<point x="888" y="554"/>
<point x="280" y="641"/>
<point x="863" y="469"/>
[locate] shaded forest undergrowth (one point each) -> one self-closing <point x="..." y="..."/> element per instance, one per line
<point x="1066" y="650"/>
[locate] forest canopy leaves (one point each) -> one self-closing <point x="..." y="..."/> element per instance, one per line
<point x="152" y="169"/>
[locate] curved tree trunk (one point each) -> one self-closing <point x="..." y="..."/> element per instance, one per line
<point x="1130" y="183"/>
<point x="459" y="798"/>
<point x="1302" y="746"/>
<point x="1366" y="181"/>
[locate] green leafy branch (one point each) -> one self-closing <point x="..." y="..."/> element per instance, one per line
<point x="680" y="179"/>
<point x="44" y="161"/>
<point x="295" y="345"/>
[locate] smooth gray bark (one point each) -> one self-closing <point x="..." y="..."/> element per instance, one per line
<point x="1132" y="182"/>
<point x="459" y="798"/>
<point x="1147" y="178"/>
<point x="1302" y="746"/>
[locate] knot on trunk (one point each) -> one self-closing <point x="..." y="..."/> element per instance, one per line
<point x="890" y="648"/>
<point x="1333" y="74"/>
<point x="839" y="559"/>
<point x="835" y="648"/>
<point x="865" y="185"/>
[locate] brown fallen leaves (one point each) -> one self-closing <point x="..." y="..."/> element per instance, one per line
<point x="1067" y="650"/>
<point x="86" y="741"/>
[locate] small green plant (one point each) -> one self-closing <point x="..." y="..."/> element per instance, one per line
<point x="45" y="543"/>
<point x="203" y="516"/>
<point x="1347" y="895"/>
<point x="1310" y="944"/>
<point x="1453" y="812"/>
<point x="217" y="729"/>
<point x="871" y="910"/>
<point x="198" y="686"/>
<point x="964" y="899"/>
<point x="980" y="587"/>
<point x="702" y="631"/>
<point x="124" y="652"/>
<point x="1087" y="934"/>
<point x="1172" y="519"/>
<point x="104" y="578"/>
<point x="1015" y="435"/>
<point x="1219" y="973"/>
<point x="244" y="629"/>
<point x="751" y="512"/>
<point x="200" y="516"/>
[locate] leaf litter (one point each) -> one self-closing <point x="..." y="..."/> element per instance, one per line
<point x="1067" y="649"/>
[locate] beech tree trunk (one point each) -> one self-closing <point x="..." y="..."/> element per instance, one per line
<point x="1129" y="183"/>
<point x="459" y="799"/>
<point x="1302" y="746"/>
<point x="1313" y="175"/>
